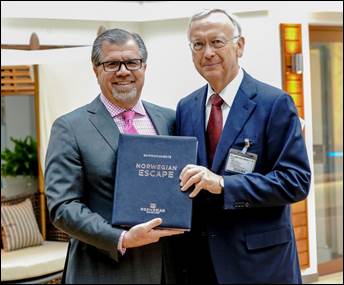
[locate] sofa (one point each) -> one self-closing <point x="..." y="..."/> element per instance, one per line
<point x="38" y="264"/>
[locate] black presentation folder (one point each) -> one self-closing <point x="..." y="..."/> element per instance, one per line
<point x="147" y="184"/>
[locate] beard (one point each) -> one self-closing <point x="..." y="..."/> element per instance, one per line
<point x="125" y="96"/>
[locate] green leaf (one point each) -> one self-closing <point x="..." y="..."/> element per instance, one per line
<point x="22" y="160"/>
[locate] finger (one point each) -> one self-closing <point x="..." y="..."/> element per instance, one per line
<point x="197" y="189"/>
<point x="193" y="180"/>
<point x="191" y="172"/>
<point x="164" y="233"/>
<point x="179" y="231"/>
<point x="186" y="168"/>
<point x="152" y="223"/>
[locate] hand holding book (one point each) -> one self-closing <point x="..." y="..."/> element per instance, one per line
<point x="202" y="178"/>
<point x="146" y="233"/>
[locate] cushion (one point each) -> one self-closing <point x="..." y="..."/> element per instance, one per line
<point x="19" y="227"/>
<point x="33" y="261"/>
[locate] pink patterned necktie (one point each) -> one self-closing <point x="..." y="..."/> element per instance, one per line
<point x="128" y="122"/>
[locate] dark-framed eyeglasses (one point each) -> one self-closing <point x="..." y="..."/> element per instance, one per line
<point x="115" y="65"/>
<point x="198" y="45"/>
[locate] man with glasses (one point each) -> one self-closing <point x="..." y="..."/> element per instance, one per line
<point x="252" y="164"/>
<point x="80" y="172"/>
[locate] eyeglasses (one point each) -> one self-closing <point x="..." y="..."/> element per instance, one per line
<point x="114" y="66"/>
<point x="198" y="46"/>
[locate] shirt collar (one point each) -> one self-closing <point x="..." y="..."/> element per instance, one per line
<point x="228" y="93"/>
<point x="115" y="110"/>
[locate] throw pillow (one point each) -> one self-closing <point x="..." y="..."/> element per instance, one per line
<point x="19" y="227"/>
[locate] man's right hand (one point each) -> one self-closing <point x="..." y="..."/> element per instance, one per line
<point x="145" y="233"/>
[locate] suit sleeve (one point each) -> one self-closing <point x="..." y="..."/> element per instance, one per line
<point x="288" y="174"/>
<point x="65" y="191"/>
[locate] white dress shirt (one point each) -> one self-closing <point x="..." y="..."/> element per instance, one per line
<point x="227" y="94"/>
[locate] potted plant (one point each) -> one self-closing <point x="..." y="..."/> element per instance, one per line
<point x="19" y="167"/>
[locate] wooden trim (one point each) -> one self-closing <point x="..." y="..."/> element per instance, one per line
<point x="291" y="45"/>
<point x="302" y="245"/>
<point x="299" y="219"/>
<point x="325" y="28"/>
<point x="34" y="45"/>
<point x="41" y="47"/>
<point x="304" y="259"/>
<point x="299" y="207"/>
<point x="40" y="172"/>
<point x="34" y="42"/>
<point x="328" y="34"/>
<point x="300" y="232"/>
<point x="16" y="80"/>
<point x="332" y="266"/>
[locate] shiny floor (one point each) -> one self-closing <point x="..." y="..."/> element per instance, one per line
<point x="334" y="278"/>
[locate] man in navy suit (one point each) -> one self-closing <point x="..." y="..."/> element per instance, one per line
<point x="252" y="164"/>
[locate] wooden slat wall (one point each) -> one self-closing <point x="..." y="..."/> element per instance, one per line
<point x="16" y="80"/>
<point x="300" y="223"/>
<point x="291" y="43"/>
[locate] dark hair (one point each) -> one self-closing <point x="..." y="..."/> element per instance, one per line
<point x="118" y="37"/>
<point x="207" y="12"/>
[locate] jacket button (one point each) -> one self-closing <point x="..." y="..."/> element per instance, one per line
<point x="247" y="204"/>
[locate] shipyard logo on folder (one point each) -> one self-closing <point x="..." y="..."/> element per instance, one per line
<point x="147" y="182"/>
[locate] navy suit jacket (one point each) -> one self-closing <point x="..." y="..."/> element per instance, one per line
<point x="249" y="226"/>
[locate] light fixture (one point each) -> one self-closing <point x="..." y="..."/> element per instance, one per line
<point x="297" y="63"/>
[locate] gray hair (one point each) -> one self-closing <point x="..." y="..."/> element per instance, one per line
<point x="207" y="12"/>
<point x="117" y="37"/>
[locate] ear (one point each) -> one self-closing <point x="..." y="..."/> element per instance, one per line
<point x="95" y="70"/>
<point x="240" y="47"/>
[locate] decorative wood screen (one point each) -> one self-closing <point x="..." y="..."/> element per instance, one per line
<point x="291" y="49"/>
<point x="23" y="80"/>
<point x="17" y="80"/>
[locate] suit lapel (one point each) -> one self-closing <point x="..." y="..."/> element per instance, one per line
<point x="198" y="121"/>
<point x="239" y="113"/>
<point x="102" y="121"/>
<point x="157" y="118"/>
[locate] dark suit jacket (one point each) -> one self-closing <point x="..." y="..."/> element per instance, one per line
<point x="79" y="180"/>
<point x="249" y="227"/>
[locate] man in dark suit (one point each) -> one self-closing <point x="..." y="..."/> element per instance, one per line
<point x="252" y="164"/>
<point x="80" y="171"/>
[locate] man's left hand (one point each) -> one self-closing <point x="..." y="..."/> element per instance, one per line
<point x="202" y="178"/>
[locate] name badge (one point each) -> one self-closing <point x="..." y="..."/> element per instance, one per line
<point x="241" y="161"/>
